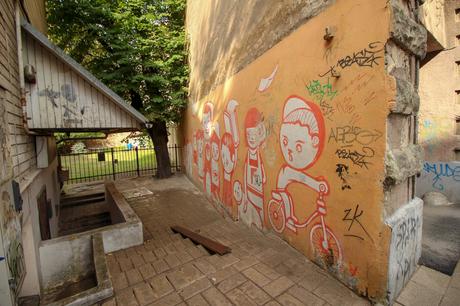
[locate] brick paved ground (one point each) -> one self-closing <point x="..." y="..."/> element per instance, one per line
<point x="170" y="270"/>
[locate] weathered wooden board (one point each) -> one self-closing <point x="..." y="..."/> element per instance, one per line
<point x="209" y="244"/>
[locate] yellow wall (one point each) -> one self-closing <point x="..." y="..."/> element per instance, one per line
<point x="354" y="108"/>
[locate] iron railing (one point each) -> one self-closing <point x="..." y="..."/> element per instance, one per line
<point x="112" y="163"/>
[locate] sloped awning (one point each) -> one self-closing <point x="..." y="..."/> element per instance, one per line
<point x="65" y="97"/>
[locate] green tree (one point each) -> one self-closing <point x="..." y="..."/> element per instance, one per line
<point x="137" y="48"/>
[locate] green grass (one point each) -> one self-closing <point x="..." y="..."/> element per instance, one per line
<point x="86" y="165"/>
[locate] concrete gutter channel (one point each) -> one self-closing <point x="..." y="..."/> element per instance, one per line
<point x="68" y="259"/>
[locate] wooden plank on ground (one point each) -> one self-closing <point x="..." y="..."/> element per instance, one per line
<point x="209" y="244"/>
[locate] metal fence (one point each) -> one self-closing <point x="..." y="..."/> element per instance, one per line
<point x="113" y="163"/>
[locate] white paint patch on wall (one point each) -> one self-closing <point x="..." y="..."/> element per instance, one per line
<point x="405" y="245"/>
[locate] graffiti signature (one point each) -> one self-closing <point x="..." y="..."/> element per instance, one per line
<point x="352" y="216"/>
<point x="322" y="93"/>
<point x="367" y="57"/>
<point x="358" y="158"/>
<point x="348" y="135"/>
<point x="440" y="171"/>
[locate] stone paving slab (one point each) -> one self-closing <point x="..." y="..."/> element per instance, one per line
<point x="430" y="287"/>
<point x="169" y="270"/>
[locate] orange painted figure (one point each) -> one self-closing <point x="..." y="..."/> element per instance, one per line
<point x="215" y="176"/>
<point x="302" y="136"/>
<point x="206" y="122"/>
<point x="254" y="172"/>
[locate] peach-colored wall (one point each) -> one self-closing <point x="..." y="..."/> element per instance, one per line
<point x="332" y="131"/>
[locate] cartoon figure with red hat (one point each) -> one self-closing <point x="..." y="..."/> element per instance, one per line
<point x="229" y="151"/>
<point x="302" y="136"/>
<point x="254" y="172"/>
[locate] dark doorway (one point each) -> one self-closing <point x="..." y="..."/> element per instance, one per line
<point x="44" y="214"/>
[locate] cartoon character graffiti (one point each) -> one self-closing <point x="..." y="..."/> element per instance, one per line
<point x="302" y="136"/>
<point x="228" y="161"/>
<point x="199" y="154"/>
<point x="254" y="172"/>
<point x="229" y="146"/>
<point x="206" y="123"/>
<point x="215" y="154"/>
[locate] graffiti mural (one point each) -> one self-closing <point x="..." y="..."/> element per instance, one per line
<point x="229" y="148"/>
<point x="206" y="123"/>
<point x="302" y="136"/>
<point x="266" y="82"/>
<point x="294" y="143"/>
<point x="215" y="155"/>
<point x="254" y="172"/>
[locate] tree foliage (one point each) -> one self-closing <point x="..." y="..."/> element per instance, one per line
<point x="136" y="47"/>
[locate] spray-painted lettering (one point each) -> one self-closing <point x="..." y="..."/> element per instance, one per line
<point x="349" y="135"/>
<point x="358" y="158"/>
<point x="440" y="171"/>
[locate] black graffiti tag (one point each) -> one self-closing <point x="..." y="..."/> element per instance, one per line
<point x="367" y="57"/>
<point x="342" y="173"/>
<point x="353" y="217"/>
<point x="407" y="230"/>
<point x="349" y="135"/>
<point x="358" y="158"/>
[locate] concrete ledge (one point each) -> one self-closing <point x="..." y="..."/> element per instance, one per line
<point x="104" y="287"/>
<point x="408" y="34"/>
<point x="403" y="163"/>
<point x="65" y="258"/>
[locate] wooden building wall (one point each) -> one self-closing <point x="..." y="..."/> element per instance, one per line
<point x="63" y="99"/>
<point x="22" y="145"/>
